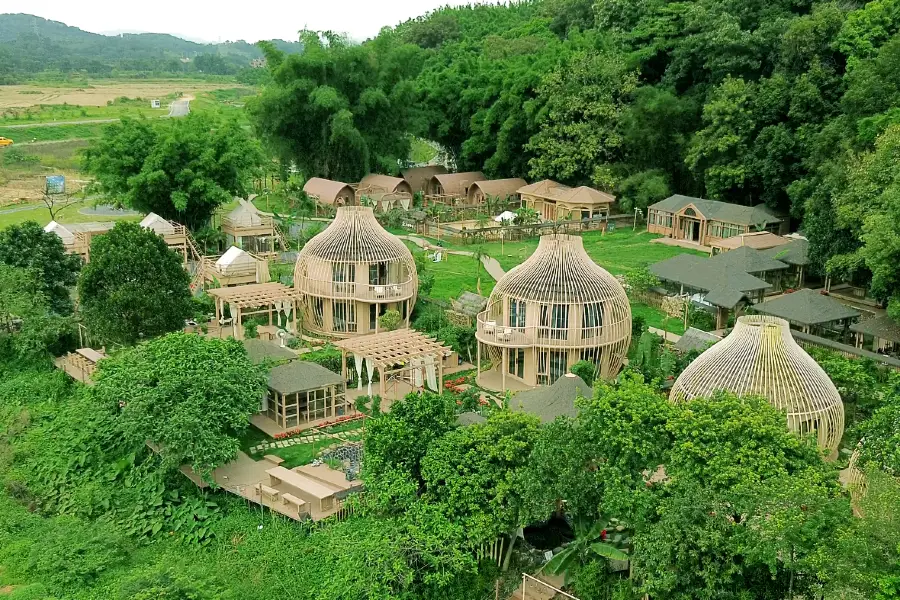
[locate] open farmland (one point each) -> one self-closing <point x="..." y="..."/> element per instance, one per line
<point x="100" y="93"/>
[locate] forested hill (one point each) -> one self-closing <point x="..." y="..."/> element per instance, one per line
<point x="30" y="44"/>
<point x="789" y="102"/>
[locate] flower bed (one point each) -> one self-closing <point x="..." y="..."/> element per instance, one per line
<point x="301" y="431"/>
<point x="452" y="385"/>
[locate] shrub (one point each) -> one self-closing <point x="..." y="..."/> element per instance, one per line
<point x="585" y="369"/>
<point x="390" y="320"/>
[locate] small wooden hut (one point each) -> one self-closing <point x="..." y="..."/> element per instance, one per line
<point x="451" y="188"/>
<point x="558" y="202"/>
<point x="418" y="177"/>
<point x="81" y="364"/>
<point x="329" y="193"/>
<point x="235" y="267"/>
<point x="301" y="394"/>
<point x="250" y="229"/>
<point x="504" y="190"/>
<point x="174" y="234"/>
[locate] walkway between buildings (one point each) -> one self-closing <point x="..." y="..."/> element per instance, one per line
<point x="491" y="265"/>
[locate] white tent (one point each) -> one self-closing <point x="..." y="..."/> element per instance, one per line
<point x="67" y="237"/>
<point x="245" y="215"/>
<point x="506" y="215"/>
<point x="235" y="260"/>
<point x="159" y="225"/>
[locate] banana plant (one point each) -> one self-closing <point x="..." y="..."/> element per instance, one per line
<point x="605" y="538"/>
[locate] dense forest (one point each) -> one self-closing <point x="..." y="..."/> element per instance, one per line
<point x="788" y="102"/>
<point x="31" y="45"/>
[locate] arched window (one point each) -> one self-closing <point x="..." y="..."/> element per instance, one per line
<point x="690" y="212"/>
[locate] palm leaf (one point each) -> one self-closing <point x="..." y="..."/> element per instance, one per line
<point x="608" y="552"/>
<point x="561" y="562"/>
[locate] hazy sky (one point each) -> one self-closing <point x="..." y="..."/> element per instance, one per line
<point x="215" y="20"/>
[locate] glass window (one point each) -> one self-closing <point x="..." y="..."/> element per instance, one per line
<point x="690" y="212"/>
<point x="516" y="313"/>
<point x="591" y="319"/>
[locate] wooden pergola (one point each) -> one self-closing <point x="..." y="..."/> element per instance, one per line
<point x="273" y="299"/>
<point x="400" y="355"/>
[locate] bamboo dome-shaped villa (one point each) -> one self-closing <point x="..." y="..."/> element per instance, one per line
<point x="352" y="273"/>
<point x="553" y="310"/>
<point x="761" y="358"/>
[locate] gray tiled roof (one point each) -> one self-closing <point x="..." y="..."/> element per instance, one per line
<point x="807" y="307"/>
<point x="720" y="211"/>
<point x="301" y="376"/>
<point x="552" y="401"/>
<point x="260" y="351"/>
<point x="796" y="252"/>
<point x="696" y="339"/>
<point x="883" y="327"/>
<point x="748" y="260"/>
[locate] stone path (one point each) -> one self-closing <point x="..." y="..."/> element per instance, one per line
<point x="308" y="437"/>
<point x="491" y="265"/>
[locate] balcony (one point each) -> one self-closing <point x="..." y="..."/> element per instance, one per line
<point x="386" y="292"/>
<point x="490" y="331"/>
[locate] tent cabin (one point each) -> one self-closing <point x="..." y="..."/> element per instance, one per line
<point x="708" y="222"/>
<point x="249" y="229"/>
<point x="352" y="273"/>
<point x="374" y="183"/>
<point x="504" y="190"/>
<point x="557" y="400"/>
<point x="235" y="267"/>
<point x="810" y="311"/>
<point x="557" y="202"/>
<point x="81" y="364"/>
<point x="76" y="237"/>
<point x="329" y="193"/>
<point x="174" y="234"/>
<point x="301" y="394"/>
<point x="555" y="309"/>
<point x="883" y="332"/>
<point x="451" y="188"/>
<point x="418" y="177"/>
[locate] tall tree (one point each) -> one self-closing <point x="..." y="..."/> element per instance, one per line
<point x="181" y="169"/>
<point x="134" y="287"/>
<point x="188" y="395"/>
<point x="28" y="246"/>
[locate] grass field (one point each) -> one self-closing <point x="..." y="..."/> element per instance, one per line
<point x="99" y="93"/>
<point x="121" y="107"/>
<point x="455" y="274"/>
<point x="38" y="212"/>
<point x="22" y="136"/>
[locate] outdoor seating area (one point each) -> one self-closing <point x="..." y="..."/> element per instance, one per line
<point x="301" y="394"/>
<point x="556" y="308"/>
<point x="81" y="364"/>
<point x="404" y="360"/>
<point x="275" y="300"/>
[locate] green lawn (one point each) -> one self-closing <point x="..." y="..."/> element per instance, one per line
<point x="421" y="151"/>
<point x="23" y="135"/>
<point x="40" y="214"/>
<point x="654" y="317"/>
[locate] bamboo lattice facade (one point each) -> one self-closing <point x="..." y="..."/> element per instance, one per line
<point x="556" y="308"/>
<point x="352" y="273"/>
<point x="761" y="358"/>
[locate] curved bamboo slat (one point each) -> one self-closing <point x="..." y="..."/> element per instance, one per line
<point x="761" y="358"/>
<point x="354" y="262"/>
<point x="558" y="300"/>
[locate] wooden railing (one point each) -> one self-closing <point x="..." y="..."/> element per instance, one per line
<point x="807" y="340"/>
<point x="386" y="292"/>
<point x="491" y="330"/>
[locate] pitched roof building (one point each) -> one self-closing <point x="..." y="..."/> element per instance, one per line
<point x="708" y="222"/>
<point x="418" y="177"/>
<point x="555" y="201"/>
<point x="329" y="192"/>
<point x="809" y="309"/>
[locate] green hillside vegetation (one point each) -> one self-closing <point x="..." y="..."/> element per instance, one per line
<point x="30" y="45"/>
<point x="787" y="103"/>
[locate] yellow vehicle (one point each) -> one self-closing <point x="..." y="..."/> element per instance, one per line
<point x="5" y="142"/>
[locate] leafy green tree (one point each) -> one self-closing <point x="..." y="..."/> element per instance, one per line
<point x="471" y="473"/>
<point x="189" y="396"/>
<point x="134" y="287"/>
<point x="390" y="320"/>
<point x="586" y="370"/>
<point x="28" y="246"/>
<point x="339" y="110"/>
<point x="182" y="169"/>
<point x="28" y="328"/>
<point x="605" y="538"/>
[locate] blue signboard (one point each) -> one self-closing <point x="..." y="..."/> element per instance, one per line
<point x="56" y="184"/>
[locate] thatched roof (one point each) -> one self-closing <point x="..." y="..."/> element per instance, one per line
<point x="457" y="183"/>
<point x="418" y="177"/>
<point x="327" y="190"/>
<point x="557" y="400"/>
<point x="301" y="376"/>
<point x="558" y="192"/>
<point x="720" y="211"/>
<point x="807" y="307"/>
<point x="696" y="339"/>
<point x="469" y="418"/>
<point x="882" y="327"/>
<point x="469" y="303"/>
<point x="260" y="351"/>
<point x="498" y="188"/>
<point x="374" y="183"/>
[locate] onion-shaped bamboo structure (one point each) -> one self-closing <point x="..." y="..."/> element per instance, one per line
<point x="761" y="358"/>
<point x="554" y="309"/>
<point x="352" y="273"/>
